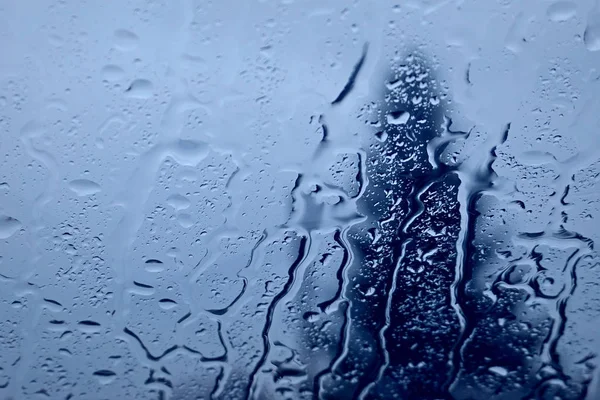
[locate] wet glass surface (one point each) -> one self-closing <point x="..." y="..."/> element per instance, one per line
<point x="286" y="199"/>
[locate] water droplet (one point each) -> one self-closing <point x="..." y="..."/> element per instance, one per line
<point x="591" y="35"/>
<point x="154" y="265"/>
<point x="112" y="73"/>
<point x="178" y="202"/>
<point x="190" y="152"/>
<point x="185" y="220"/>
<point x="140" y="89"/>
<point x="105" y="376"/>
<point x="561" y="11"/>
<point x="311" y="316"/>
<point x="88" y="326"/>
<point x="84" y="187"/>
<point x="381" y="136"/>
<point x="56" y="40"/>
<point x="398" y="117"/>
<point x="498" y="370"/>
<point x="167" y="304"/>
<point x="125" y="40"/>
<point x="8" y="226"/>
<point x="173" y="252"/>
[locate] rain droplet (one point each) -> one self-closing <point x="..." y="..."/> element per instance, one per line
<point x="84" y="187"/>
<point x="105" y="376"/>
<point x="398" y="117"/>
<point x="112" y="73"/>
<point x="154" y="265"/>
<point x="311" y="316"/>
<point x="88" y="326"/>
<point x="185" y="220"/>
<point x="56" y="40"/>
<point x="140" y="89"/>
<point x="591" y="35"/>
<point x="498" y="370"/>
<point x="125" y="40"/>
<point x="190" y="152"/>
<point x="561" y="11"/>
<point x="8" y="226"/>
<point x="173" y="252"/>
<point x="178" y="202"/>
<point x="167" y="304"/>
<point x="381" y="136"/>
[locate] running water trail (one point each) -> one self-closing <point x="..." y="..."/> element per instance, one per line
<point x="477" y="177"/>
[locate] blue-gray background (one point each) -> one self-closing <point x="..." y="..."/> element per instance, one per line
<point x="169" y="208"/>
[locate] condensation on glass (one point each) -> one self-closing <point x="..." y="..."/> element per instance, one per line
<point x="298" y="199"/>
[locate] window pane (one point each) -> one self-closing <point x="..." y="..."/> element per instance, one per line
<point x="279" y="199"/>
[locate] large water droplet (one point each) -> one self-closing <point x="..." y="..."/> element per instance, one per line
<point x="398" y="117"/>
<point x="140" y="89"/>
<point x="125" y="40"/>
<point x="167" y="304"/>
<point x="8" y="226"/>
<point x="105" y="376"/>
<point x="154" y="265"/>
<point x="185" y="220"/>
<point x="561" y="11"/>
<point x="190" y="152"/>
<point x="84" y="187"/>
<point x="178" y="202"/>
<point x="112" y="73"/>
<point x="591" y="35"/>
<point x="501" y="371"/>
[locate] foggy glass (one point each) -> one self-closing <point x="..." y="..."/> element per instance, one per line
<point x="299" y="199"/>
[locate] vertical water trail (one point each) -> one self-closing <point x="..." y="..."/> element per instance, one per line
<point x="30" y="131"/>
<point x="303" y="251"/>
<point x="337" y="301"/>
<point x="477" y="177"/>
<point x="385" y="355"/>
